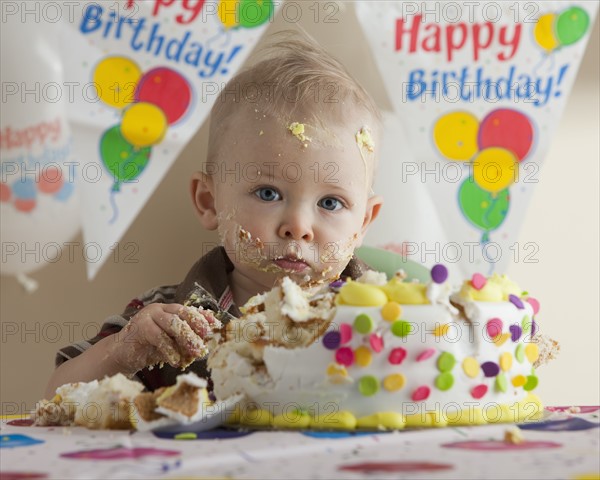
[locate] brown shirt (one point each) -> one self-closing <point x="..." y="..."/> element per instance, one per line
<point x="209" y="282"/>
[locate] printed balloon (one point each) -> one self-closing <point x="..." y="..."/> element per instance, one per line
<point x="480" y="207"/>
<point x="168" y="90"/>
<point x="508" y="129"/>
<point x="116" y="79"/>
<point x="254" y="13"/>
<point x="571" y="25"/>
<point x="495" y="169"/>
<point x="121" y="158"/>
<point x="227" y="11"/>
<point x="543" y="32"/>
<point x="143" y="124"/>
<point x="455" y="135"/>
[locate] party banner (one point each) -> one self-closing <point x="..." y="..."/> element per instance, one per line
<point x="145" y="75"/>
<point x="479" y="89"/>
<point x="39" y="204"/>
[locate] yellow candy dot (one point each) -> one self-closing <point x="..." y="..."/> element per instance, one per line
<point x="519" y="380"/>
<point x="532" y="352"/>
<point x="441" y="330"/>
<point x="394" y="382"/>
<point x="391" y="311"/>
<point x="362" y="356"/>
<point x="506" y="361"/>
<point x="470" y="367"/>
<point x="501" y="339"/>
<point x="336" y="369"/>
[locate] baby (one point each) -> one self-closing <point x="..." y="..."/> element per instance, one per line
<point x="287" y="184"/>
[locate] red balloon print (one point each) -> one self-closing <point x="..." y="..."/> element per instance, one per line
<point x="166" y="89"/>
<point x="509" y="129"/>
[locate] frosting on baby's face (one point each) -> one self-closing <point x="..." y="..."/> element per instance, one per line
<point x="293" y="197"/>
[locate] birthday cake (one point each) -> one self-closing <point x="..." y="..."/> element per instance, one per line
<point x="384" y="354"/>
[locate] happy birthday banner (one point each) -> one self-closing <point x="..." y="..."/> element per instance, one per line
<point x="479" y="89"/>
<point x="146" y="74"/>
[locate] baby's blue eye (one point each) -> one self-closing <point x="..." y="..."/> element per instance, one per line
<point x="330" y="203"/>
<point x="267" y="194"/>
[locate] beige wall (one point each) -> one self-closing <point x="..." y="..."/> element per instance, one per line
<point x="562" y="219"/>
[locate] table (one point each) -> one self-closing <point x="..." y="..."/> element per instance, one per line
<point x="562" y="445"/>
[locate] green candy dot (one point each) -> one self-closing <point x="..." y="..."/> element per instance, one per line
<point x="526" y="324"/>
<point x="531" y="383"/>
<point x="444" y="381"/>
<point x="363" y="324"/>
<point x="501" y="382"/>
<point x="446" y="362"/>
<point x="401" y="328"/>
<point x="520" y="353"/>
<point x="186" y="436"/>
<point x="368" y="385"/>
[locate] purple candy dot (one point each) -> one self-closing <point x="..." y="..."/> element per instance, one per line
<point x="439" y="273"/>
<point x="337" y="284"/>
<point x="533" y="327"/>
<point x="515" y="332"/>
<point x="490" y="369"/>
<point x="331" y="340"/>
<point x="516" y="301"/>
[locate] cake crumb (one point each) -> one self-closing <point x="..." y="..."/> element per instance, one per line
<point x="513" y="436"/>
<point x="574" y="409"/>
<point x="297" y="130"/>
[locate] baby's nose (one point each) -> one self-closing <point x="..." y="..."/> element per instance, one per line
<point x="295" y="227"/>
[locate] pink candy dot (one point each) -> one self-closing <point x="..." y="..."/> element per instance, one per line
<point x="376" y="342"/>
<point x="424" y="355"/>
<point x="344" y="356"/>
<point x="478" y="281"/>
<point x="534" y="304"/>
<point x="345" y="332"/>
<point x="421" y="393"/>
<point x="397" y="356"/>
<point x="479" y="391"/>
<point x="494" y="327"/>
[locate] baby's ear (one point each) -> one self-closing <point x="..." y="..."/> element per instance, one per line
<point x="374" y="204"/>
<point x="202" y="190"/>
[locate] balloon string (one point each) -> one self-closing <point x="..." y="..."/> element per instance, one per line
<point x="489" y="210"/>
<point x="222" y="31"/>
<point x="113" y="204"/>
<point x="545" y="56"/>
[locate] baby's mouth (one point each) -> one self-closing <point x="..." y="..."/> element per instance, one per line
<point x="291" y="264"/>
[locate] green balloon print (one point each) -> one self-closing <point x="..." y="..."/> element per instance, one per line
<point x="481" y="208"/>
<point x="121" y="158"/>
<point x="571" y="25"/>
<point x="255" y="12"/>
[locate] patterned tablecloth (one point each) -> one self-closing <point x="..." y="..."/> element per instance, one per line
<point x="564" y="445"/>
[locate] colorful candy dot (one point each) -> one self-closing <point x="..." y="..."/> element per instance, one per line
<point x="531" y="383"/>
<point x="501" y="383"/>
<point x="391" y="311"/>
<point x="397" y="356"/>
<point x="344" y="356"/>
<point x="394" y="382"/>
<point x="490" y="369"/>
<point x="515" y="332"/>
<point x="376" y="342"/>
<point x="362" y="356"/>
<point x="516" y="301"/>
<point x="364" y="324"/>
<point x="520" y="353"/>
<point x="368" y="385"/>
<point x="331" y="340"/>
<point x="479" y="391"/>
<point x="533" y="328"/>
<point x="401" y="328"/>
<point x="336" y="284"/>
<point x="534" y="304"/>
<point x="506" y="361"/>
<point x="501" y="339"/>
<point x="526" y="324"/>
<point x="446" y="362"/>
<point x="439" y="273"/>
<point x="186" y="436"/>
<point x="519" y="381"/>
<point x="421" y="393"/>
<point x="345" y="333"/>
<point x="335" y="369"/>
<point x="478" y="281"/>
<point x="425" y="354"/>
<point x="532" y="352"/>
<point x="441" y="330"/>
<point x="494" y="327"/>
<point x="444" y="381"/>
<point x="471" y="367"/>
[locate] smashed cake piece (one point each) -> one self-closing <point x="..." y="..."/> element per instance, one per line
<point x="60" y="410"/>
<point x="548" y="349"/>
<point x="297" y="129"/>
<point x="513" y="436"/>
<point x="364" y="139"/>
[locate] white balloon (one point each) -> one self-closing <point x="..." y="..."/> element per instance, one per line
<point x="39" y="207"/>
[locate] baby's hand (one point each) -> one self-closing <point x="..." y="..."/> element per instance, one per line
<point x="160" y="333"/>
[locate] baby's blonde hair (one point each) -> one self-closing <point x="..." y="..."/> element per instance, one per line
<point x="295" y="72"/>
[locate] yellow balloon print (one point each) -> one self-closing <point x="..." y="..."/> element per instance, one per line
<point x="455" y="135"/>
<point x="228" y="12"/>
<point x="143" y="124"/>
<point x="116" y="79"/>
<point x="543" y="32"/>
<point x="495" y="169"/>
